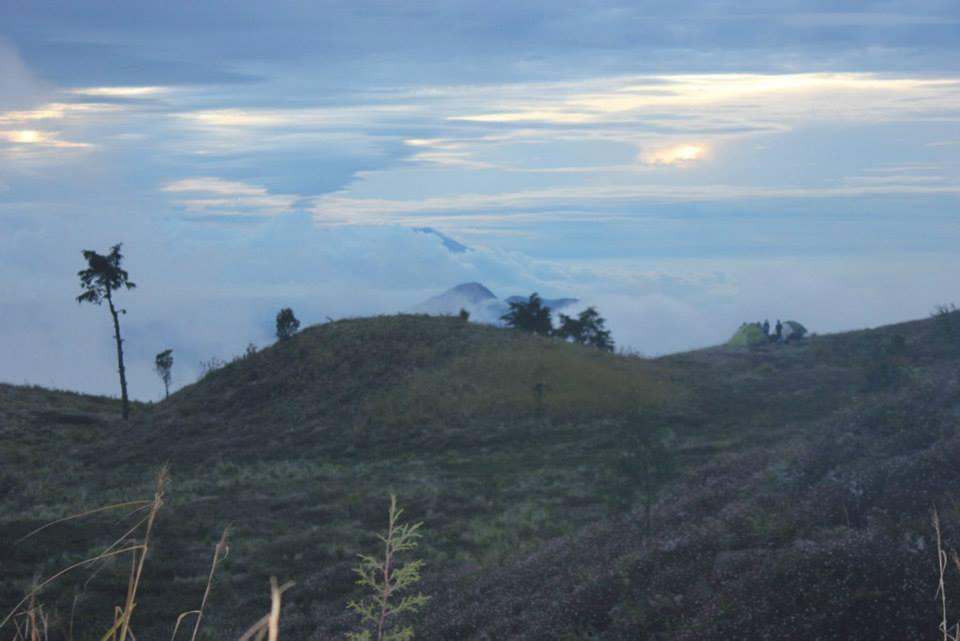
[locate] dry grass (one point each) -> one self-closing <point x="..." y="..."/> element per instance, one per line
<point x="948" y="632"/>
<point x="574" y="381"/>
<point x="220" y="552"/>
<point x="31" y="623"/>
<point x="127" y="543"/>
<point x="268" y="627"/>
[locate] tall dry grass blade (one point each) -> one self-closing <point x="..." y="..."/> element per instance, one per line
<point x="59" y="574"/>
<point x="219" y="554"/>
<point x="80" y="516"/>
<point x="38" y="621"/>
<point x="256" y="629"/>
<point x="111" y="633"/>
<point x="137" y="574"/>
<point x="34" y="625"/>
<point x="275" y="595"/>
<point x="121" y="539"/>
<point x="268" y="626"/>
<point x="122" y="620"/>
<point x="941" y="587"/>
<point x="145" y="506"/>
<point x="947" y="632"/>
<point x="955" y="634"/>
<point x="119" y="617"/>
<point x="180" y="618"/>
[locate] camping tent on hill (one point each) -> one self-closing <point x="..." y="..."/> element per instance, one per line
<point x="792" y="330"/>
<point x="748" y="335"/>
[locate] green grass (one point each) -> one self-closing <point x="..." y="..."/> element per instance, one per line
<point x="297" y="446"/>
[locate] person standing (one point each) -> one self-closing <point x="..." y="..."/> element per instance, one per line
<point x="779" y="330"/>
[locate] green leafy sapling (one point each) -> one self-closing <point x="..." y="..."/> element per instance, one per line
<point x="386" y="578"/>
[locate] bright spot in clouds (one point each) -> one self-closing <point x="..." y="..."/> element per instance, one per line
<point x="40" y="139"/>
<point x="679" y="154"/>
<point x="27" y="136"/>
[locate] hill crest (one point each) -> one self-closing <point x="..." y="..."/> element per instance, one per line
<point x="815" y="461"/>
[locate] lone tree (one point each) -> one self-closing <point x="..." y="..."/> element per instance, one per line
<point x="530" y="316"/>
<point x="287" y="323"/>
<point x="646" y="465"/>
<point x="163" y="363"/>
<point x="102" y="277"/>
<point x="588" y="328"/>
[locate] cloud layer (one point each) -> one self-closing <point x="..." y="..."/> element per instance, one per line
<point x="685" y="167"/>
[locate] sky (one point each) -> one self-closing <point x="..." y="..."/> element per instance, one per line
<point x="684" y="166"/>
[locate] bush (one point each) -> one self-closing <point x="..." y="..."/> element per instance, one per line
<point x="209" y="366"/>
<point x="947" y="319"/>
<point x="287" y="323"/>
<point x="385" y="578"/>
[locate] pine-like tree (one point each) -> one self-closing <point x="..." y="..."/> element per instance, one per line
<point x="530" y="316"/>
<point x="588" y="328"/>
<point x="102" y="277"/>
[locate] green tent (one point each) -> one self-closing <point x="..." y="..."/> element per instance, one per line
<point x="748" y="335"/>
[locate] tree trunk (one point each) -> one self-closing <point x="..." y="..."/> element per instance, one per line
<point x="123" y="373"/>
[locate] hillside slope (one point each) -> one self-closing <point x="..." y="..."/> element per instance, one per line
<point x="799" y="506"/>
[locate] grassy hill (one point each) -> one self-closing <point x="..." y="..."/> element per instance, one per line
<point x="798" y="506"/>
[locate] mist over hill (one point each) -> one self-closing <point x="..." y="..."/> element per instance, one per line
<point x="483" y="304"/>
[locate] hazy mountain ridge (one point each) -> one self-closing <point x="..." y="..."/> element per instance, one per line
<point x="484" y="306"/>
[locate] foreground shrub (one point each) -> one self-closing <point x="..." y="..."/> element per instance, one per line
<point x="386" y="578"/>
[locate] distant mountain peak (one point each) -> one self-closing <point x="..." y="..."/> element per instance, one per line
<point x="483" y="304"/>
<point x="474" y="291"/>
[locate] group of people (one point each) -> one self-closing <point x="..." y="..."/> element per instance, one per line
<point x="759" y="332"/>
<point x="777" y="330"/>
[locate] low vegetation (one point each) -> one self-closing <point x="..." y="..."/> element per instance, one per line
<point x="795" y="503"/>
<point x="386" y="578"/>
